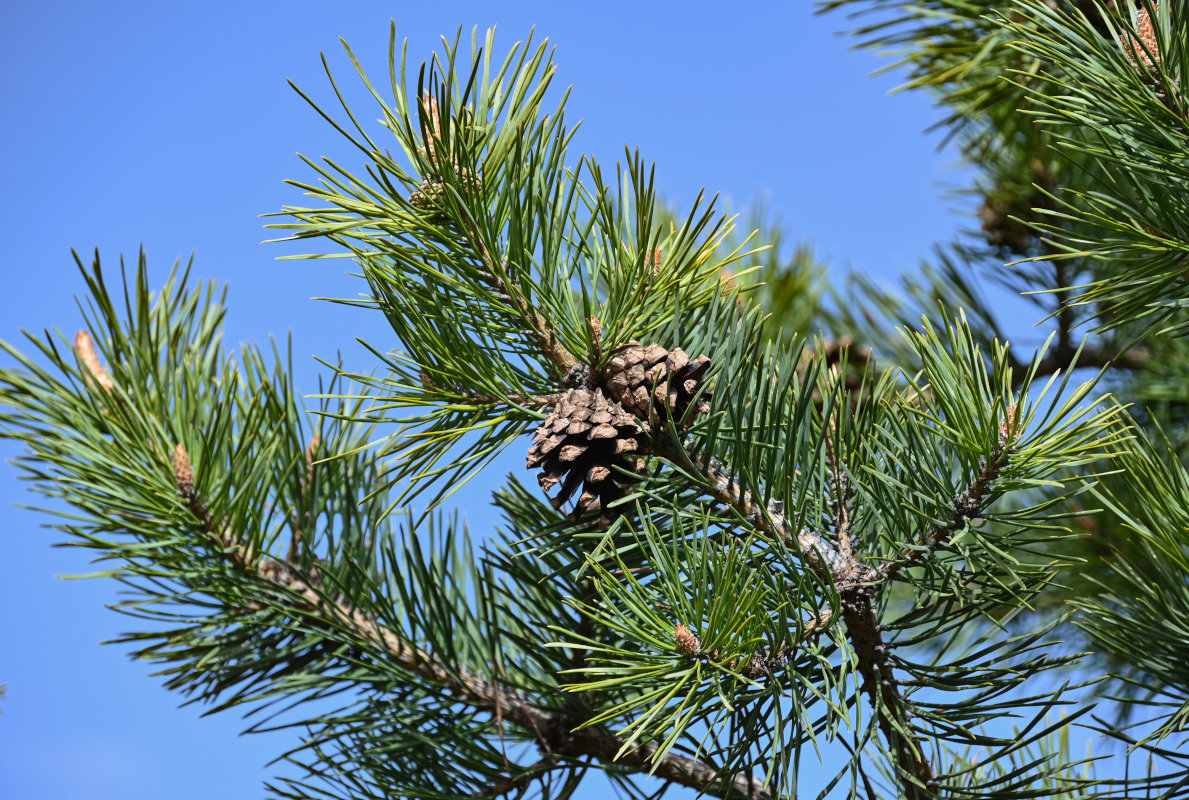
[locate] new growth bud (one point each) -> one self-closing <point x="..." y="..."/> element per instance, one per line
<point x="311" y="457"/>
<point x="596" y="335"/>
<point x="433" y="126"/>
<point x="1010" y="426"/>
<point x="183" y="472"/>
<point x="86" y="351"/>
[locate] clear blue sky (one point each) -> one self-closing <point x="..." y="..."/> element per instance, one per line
<point x="171" y="125"/>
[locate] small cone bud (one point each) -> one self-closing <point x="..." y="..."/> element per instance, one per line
<point x="86" y="351"/>
<point x="183" y="472"/>
<point x="687" y="641"/>
<point x="656" y="262"/>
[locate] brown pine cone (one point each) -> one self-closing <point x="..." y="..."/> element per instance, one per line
<point x="582" y="443"/>
<point x="652" y="381"/>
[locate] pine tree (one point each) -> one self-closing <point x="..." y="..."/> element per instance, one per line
<point x="766" y="530"/>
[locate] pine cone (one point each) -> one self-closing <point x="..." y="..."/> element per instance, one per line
<point x="582" y="443"/>
<point x="651" y="380"/>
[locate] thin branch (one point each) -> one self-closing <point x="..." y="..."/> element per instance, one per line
<point x="496" y="275"/>
<point x="855" y="582"/>
<point x="494" y="271"/>
<point x="879" y="682"/>
<point x="559" y="732"/>
<point x="760" y="662"/>
<point x="719" y="483"/>
<point x="239" y="553"/>
<point x="1065" y="320"/>
<point x="839" y="491"/>
<point x="965" y="506"/>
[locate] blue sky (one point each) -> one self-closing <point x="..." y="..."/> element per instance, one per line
<point x="171" y="125"/>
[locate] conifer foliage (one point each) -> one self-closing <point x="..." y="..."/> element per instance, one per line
<point x="755" y="555"/>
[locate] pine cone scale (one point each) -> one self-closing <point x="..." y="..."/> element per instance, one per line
<point x="571" y="452"/>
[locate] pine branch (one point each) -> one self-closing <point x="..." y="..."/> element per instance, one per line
<point x="558" y="733"/>
<point x="503" y="315"/>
